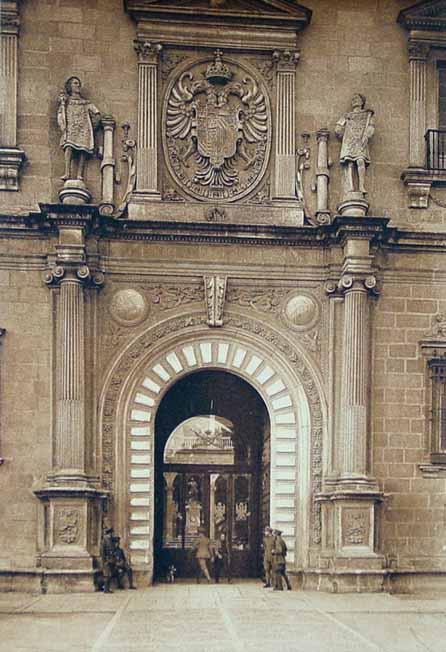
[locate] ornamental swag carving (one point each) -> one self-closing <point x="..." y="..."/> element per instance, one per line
<point x="217" y="129"/>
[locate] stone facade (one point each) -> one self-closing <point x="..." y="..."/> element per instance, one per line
<point x="211" y="230"/>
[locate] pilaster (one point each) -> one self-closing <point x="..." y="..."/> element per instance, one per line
<point x="11" y="157"/>
<point x="284" y="177"/>
<point x="147" y="153"/>
<point x="71" y="495"/>
<point x="418" y="54"/>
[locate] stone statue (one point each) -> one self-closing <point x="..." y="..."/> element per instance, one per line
<point x="77" y="119"/>
<point x="355" y="128"/>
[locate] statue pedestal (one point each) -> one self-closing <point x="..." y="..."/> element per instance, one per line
<point x="74" y="192"/>
<point x="354" y="205"/>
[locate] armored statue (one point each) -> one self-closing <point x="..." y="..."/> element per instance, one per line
<point x="77" y="119"/>
<point x="355" y="128"/>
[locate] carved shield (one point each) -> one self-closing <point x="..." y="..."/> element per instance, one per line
<point x="217" y="133"/>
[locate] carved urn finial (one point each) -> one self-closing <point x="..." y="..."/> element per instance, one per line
<point x="218" y="72"/>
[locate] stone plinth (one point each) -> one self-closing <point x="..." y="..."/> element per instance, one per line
<point x="74" y="192"/>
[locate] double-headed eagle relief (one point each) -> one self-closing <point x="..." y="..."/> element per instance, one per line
<point x="217" y="130"/>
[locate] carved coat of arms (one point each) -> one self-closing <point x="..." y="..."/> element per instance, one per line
<point x="217" y="130"/>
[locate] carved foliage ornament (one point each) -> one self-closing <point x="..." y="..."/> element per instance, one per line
<point x="67" y="526"/>
<point x="217" y="129"/>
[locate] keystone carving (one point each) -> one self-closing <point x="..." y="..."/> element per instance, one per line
<point x="215" y="294"/>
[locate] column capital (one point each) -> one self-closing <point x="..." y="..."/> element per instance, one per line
<point x="81" y="274"/>
<point x="355" y="282"/>
<point x="108" y="122"/>
<point x="286" y="60"/>
<point x="352" y="282"/>
<point x="418" y="50"/>
<point x="147" y="52"/>
<point x="323" y="135"/>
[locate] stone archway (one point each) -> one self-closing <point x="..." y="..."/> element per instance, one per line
<point x="276" y="369"/>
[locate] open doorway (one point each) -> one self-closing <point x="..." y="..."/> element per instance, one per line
<point x="212" y="467"/>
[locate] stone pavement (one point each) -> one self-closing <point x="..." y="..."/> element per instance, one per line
<point x="241" y="617"/>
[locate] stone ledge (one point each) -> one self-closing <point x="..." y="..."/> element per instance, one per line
<point x="433" y="470"/>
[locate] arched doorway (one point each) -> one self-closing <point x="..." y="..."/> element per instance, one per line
<point x="281" y="375"/>
<point x="212" y="460"/>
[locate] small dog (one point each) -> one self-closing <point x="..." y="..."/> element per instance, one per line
<point x="171" y="572"/>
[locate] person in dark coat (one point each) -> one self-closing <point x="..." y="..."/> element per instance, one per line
<point x="123" y="568"/>
<point x="268" y="543"/>
<point x="109" y="570"/>
<point x="222" y="558"/>
<point x="279" y="562"/>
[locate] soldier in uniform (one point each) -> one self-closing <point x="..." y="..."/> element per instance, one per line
<point x="222" y="558"/>
<point x="279" y="562"/>
<point x="123" y="568"/>
<point x="203" y="553"/>
<point x="108" y="559"/>
<point x="268" y="542"/>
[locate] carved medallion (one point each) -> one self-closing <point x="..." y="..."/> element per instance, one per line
<point x="128" y="307"/>
<point x="301" y="311"/>
<point x="217" y="129"/>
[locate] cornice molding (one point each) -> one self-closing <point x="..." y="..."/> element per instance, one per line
<point x="427" y="15"/>
<point x="375" y="229"/>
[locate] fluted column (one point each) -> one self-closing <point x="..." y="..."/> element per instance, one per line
<point x="70" y="409"/>
<point x="355" y="376"/>
<point x="69" y="431"/>
<point x="285" y="140"/>
<point x="418" y="53"/>
<point x="147" y="152"/>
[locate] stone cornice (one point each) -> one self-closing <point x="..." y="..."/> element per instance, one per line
<point x="429" y="15"/>
<point x="375" y="229"/>
<point x="262" y="12"/>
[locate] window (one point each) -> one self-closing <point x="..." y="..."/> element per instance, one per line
<point x="425" y="24"/>
<point x="437" y="368"/>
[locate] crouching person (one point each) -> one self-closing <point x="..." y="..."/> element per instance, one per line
<point x="123" y="568"/>
<point x="109" y="571"/>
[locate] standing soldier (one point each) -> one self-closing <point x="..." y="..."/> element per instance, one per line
<point x="279" y="562"/>
<point x="108" y="559"/>
<point x="222" y="558"/>
<point x="203" y="553"/>
<point x="268" y="542"/>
